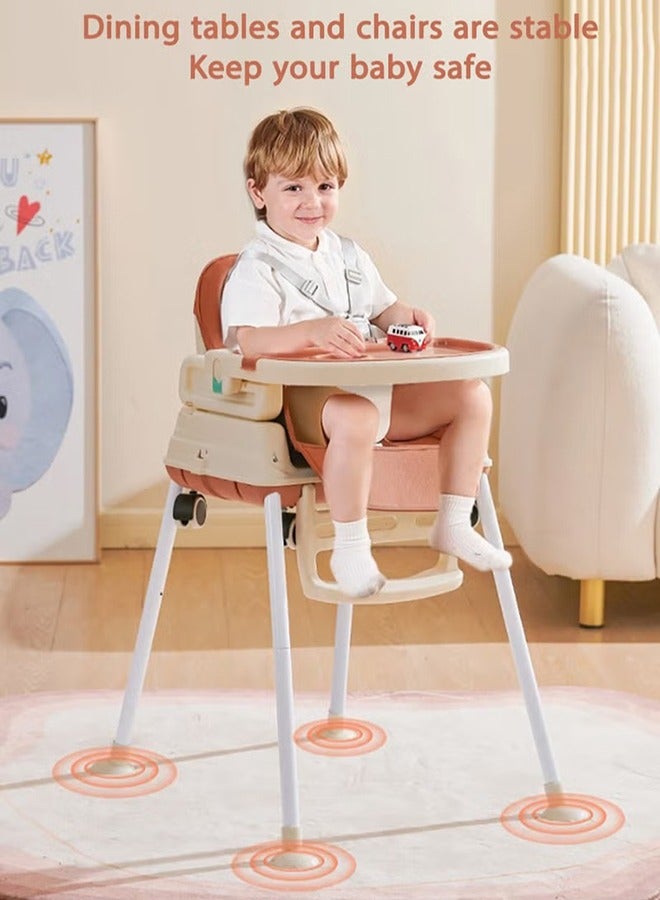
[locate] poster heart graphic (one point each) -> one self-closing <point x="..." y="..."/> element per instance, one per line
<point x="26" y="212"/>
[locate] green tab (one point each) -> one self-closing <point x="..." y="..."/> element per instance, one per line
<point x="217" y="386"/>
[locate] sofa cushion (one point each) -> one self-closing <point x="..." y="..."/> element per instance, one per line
<point x="642" y="266"/>
<point x="580" y="424"/>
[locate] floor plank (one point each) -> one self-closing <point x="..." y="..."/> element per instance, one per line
<point x="75" y="625"/>
<point x="30" y="599"/>
<point x="101" y="603"/>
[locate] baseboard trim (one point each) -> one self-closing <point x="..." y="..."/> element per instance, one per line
<point x="236" y="525"/>
<point x="232" y="525"/>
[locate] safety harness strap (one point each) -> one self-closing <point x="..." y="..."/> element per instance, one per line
<point x="353" y="276"/>
<point x="316" y="292"/>
<point x="313" y="290"/>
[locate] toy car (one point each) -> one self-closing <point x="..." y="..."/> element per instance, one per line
<point x="406" y="337"/>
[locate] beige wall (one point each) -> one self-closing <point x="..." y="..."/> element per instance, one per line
<point x="528" y="116"/>
<point x="454" y="187"/>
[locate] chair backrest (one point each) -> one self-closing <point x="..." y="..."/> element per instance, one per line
<point x="207" y="300"/>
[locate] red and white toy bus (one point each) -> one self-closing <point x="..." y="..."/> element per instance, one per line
<point x="406" y="337"/>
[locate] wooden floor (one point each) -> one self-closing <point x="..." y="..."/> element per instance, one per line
<point x="73" y="626"/>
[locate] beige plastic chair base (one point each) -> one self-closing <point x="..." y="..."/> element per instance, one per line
<point x="592" y="603"/>
<point x="314" y="534"/>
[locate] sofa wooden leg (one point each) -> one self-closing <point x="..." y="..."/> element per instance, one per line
<point x="592" y="603"/>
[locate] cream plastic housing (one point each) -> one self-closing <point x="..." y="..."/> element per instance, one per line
<point x="223" y="446"/>
<point x="204" y="384"/>
<point x="225" y="428"/>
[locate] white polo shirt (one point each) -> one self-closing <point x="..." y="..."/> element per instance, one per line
<point x="255" y="294"/>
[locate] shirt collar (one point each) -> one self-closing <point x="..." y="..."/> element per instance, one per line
<point x="266" y="233"/>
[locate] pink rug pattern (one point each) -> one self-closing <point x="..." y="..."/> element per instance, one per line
<point x="420" y="816"/>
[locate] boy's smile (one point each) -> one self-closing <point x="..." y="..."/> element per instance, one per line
<point x="297" y="209"/>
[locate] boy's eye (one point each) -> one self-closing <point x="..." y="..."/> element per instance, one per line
<point x="327" y="186"/>
<point x="292" y="187"/>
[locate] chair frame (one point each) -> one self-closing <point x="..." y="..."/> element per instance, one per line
<point x="252" y="390"/>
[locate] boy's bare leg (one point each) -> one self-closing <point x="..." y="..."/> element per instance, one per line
<point x="463" y="410"/>
<point x="350" y="423"/>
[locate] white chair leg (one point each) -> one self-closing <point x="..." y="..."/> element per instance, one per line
<point x="340" y="660"/>
<point x="149" y="619"/>
<point x="518" y="642"/>
<point x="279" y="615"/>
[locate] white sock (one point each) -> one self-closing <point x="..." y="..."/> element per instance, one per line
<point x="351" y="563"/>
<point x="453" y="534"/>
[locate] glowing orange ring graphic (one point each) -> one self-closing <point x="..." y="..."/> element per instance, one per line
<point x="366" y="737"/>
<point x="255" y="866"/>
<point x="603" y="819"/>
<point x="150" y="772"/>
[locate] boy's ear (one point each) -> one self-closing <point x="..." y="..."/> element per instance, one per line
<point x="255" y="194"/>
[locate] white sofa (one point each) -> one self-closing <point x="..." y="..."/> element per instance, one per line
<point x="579" y="447"/>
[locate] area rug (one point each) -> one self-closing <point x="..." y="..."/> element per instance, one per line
<point x="422" y="816"/>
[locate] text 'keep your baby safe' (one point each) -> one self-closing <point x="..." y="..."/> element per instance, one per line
<point x="240" y="28"/>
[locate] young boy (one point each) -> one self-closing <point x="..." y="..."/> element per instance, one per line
<point x="295" y="167"/>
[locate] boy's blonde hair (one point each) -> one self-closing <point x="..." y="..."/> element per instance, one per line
<point x="294" y="143"/>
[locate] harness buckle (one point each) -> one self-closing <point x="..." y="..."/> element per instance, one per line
<point x="309" y="289"/>
<point x="354" y="276"/>
<point x="363" y="325"/>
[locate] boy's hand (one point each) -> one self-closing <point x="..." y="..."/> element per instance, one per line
<point x="337" y="336"/>
<point x="425" y="320"/>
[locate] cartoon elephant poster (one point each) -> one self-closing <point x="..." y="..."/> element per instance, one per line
<point x="48" y="454"/>
<point x="36" y="393"/>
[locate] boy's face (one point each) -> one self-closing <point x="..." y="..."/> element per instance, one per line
<point x="298" y="209"/>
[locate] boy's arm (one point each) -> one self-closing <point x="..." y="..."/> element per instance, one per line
<point x="257" y="341"/>
<point x="331" y="333"/>
<point x="399" y="313"/>
<point x="253" y="282"/>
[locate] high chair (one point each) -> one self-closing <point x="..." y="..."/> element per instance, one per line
<point x="230" y="442"/>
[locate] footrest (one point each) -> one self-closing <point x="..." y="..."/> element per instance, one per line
<point x="438" y="580"/>
<point x="444" y="576"/>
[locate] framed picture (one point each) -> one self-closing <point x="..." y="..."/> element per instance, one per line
<point x="48" y="417"/>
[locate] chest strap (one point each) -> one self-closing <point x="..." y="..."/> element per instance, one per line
<point x="308" y="287"/>
<point x="315" y="290"/>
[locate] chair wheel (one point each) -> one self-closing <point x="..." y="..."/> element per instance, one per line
<point x="289" y="529"/>
<point x="190" y="508"/>
<point x="474" y="515"/>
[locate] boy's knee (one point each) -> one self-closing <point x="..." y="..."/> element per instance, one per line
<point x="350" y="417"/>
<point x="476" y="397"/>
